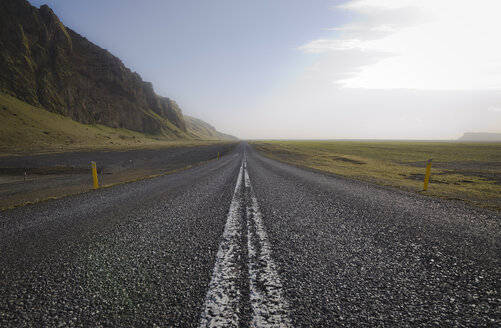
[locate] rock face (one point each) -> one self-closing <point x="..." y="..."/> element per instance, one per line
<point x="46" y="64"/>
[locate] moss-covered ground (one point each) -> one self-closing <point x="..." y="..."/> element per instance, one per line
<point x="26" y="129"/>
<point x="470" y="172"/>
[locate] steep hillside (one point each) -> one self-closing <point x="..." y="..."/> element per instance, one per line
<point x="46" y="64"/>
<point x="28" y="129"/>
<point x="201" y="130"/>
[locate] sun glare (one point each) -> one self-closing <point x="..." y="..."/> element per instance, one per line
<point x="455" y="47"/>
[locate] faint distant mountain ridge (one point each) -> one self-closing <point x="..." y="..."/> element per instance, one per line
<point x="480" y="136"/>
<point x="46" y="64"/>
<point x="203" y="130"/>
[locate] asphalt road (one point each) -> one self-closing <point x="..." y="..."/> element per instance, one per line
<point x="247" y="241"/>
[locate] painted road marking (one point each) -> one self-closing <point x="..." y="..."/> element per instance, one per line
<point x="224" y="297"/>
<point x="269" y="307"/>
<point x="222" y="302"/>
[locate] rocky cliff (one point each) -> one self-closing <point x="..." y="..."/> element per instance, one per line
<point x="46" y="64"/>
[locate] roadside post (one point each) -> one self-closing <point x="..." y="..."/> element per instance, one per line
<point x="217" y="155"/>
<point x="94" y="174"/>
<point x="427" y="175"/>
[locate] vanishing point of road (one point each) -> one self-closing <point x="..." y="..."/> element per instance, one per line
<point x="247" y="241"/>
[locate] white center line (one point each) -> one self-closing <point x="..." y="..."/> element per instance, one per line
<point x="269" y="307"/>
<point x="223" y="302"/>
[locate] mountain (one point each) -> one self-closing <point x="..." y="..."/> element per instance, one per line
<point x="199" y="129"/>
<point x="480" y="136"/>
<point x="46" y="64"/>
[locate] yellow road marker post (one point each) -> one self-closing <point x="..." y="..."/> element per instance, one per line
<point x="217" y="155"/>
<point x="94" y="174"/>
<point x="427" y="175"/>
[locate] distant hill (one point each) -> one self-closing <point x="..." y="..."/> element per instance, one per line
<point x="204" y="131"/>
<point x="480" y="136"/>
<point x="45" y="64"/>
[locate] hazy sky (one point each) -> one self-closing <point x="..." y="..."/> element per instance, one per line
<point x="419" y="69"/>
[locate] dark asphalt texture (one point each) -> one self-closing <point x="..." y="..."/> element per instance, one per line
<point x="348" y="253"/>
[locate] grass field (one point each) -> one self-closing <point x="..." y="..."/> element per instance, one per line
<point x="469" y="172"/>
<point x="25" y="129"/>
<point x="67" y="147"/>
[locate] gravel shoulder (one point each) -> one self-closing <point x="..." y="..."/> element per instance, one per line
<point x="25" y="179"/>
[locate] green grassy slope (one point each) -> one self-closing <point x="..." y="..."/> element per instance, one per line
<point x="460" y="170"/>
<point x="201" y="130"/>
<point x="28" y="129"/>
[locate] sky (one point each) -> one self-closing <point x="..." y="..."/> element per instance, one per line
<point x="311" y="69"/>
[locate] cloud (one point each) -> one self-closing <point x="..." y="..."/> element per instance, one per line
<point x="327" y="45"/>
<point x="402" y="69"/>
<point x="379" y="20"/>
<point x="337" y="66"/>
<point x="427" y="44"/>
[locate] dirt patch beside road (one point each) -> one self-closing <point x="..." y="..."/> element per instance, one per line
<point x="25" y="179"/>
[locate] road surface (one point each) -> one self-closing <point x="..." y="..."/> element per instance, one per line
<point x="246" y="241"/>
